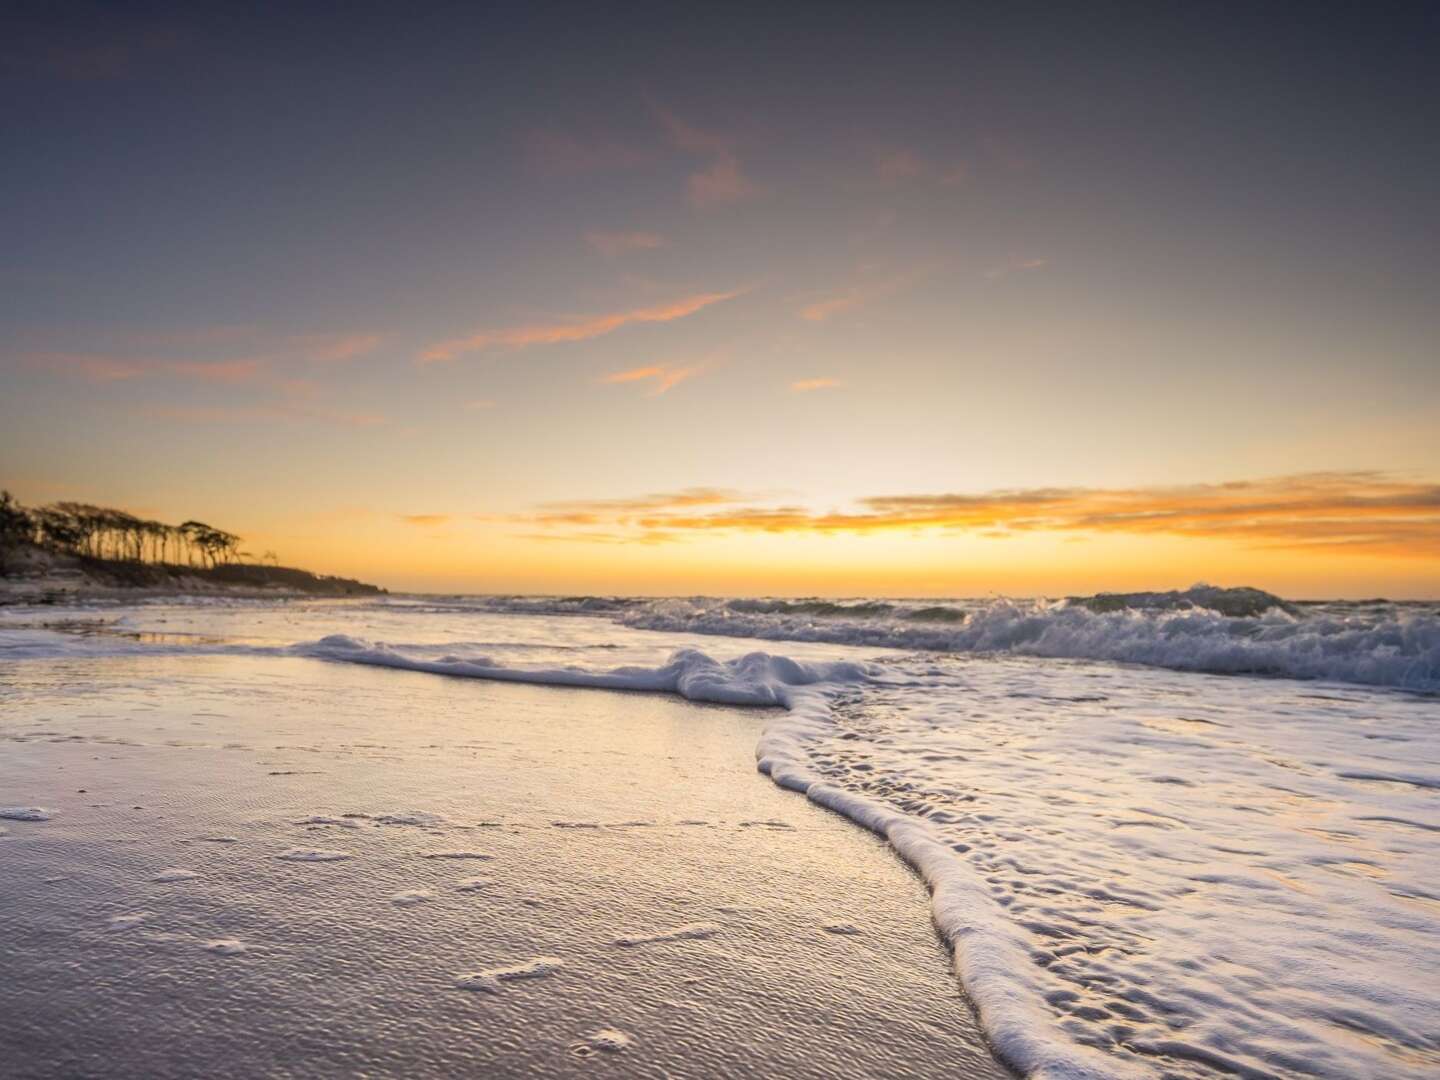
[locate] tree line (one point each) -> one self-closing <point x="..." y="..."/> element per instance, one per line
<point x="100" y="532"/>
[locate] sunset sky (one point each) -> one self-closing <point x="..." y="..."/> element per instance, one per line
<point x="905" y="299"/>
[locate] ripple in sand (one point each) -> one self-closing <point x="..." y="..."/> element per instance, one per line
<point x="457" y="855"/>
<point x="490" y="980"/>
<point x="225" y="946"/>
<point x="175" y="875"/>
<point x="688" y="932"/>
<point x="25" y="813"/>
<point x="414" y="817"/>
<point x="310" y="854"/>
<point x="411" y="897"/>
<point x="606" y="1040"/>
<point x="321" y="819"/>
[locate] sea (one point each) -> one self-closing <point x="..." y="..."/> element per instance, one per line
<point x="1165" y="834"/>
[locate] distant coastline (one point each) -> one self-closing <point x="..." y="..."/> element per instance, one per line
<point x="71" y="551"/>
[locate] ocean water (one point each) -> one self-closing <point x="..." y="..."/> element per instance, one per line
<point x="1172" y="835"/>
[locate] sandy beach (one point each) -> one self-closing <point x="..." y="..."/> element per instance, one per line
<point x="286" y="867"/>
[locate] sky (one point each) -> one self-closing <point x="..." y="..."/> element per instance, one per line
<point x="902" y="299"/>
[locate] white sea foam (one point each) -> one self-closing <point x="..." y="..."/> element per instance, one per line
<point x="25" y="813"/>
<point x="491" y="980"/>
<point x="688" y="932"/>
<point x="1087" y="850"/>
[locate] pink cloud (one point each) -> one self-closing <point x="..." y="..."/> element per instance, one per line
<point x="723" y="180"/>
<point x="578" y="329"/>
<point x="614" y="244"/>
<point x="560" y="154"/>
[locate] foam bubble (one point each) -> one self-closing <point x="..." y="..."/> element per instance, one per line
<point x="321" y="819"/>
<point x="604" y="1041"/>
<point x="225" y="946"/>
<point x="688" y="932"/>
<point x="25" y="813"/>
<point x="491" y="980"/>
<point x="411" y="897"/>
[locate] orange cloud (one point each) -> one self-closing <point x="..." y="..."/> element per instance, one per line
<point x="821" y="310"/>
<point x="859" y="295"/>
<point x="1341" y="512"/>
<point x="330" y="348"/>
<point x="663" y="500"/>
<point x="801" y="386"/>
<point x="578" y="329"/>
<point x="424" y="519"/>
<point x="666" y="376"/>
<point x="614" y="244"/>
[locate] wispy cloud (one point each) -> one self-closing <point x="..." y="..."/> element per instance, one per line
<point x="895" y="165"/>
<point x="330" y="348"/>
<point x="862" y="293"/>
<point x="614" y="244"/>
<point x="663" y="377"/>
<point x="1016" y="265"/>
<point x="98" y="57"/>
<point x="578" y="328"/>
<point x="1341" y="513"/>
<point x="269" y="358"/>
<point x="898" y="165"/>
<point x="265" y="412"/>
<point x="804" y="386"/>
<point x="723" y="178"/>
<point x="558" y="153"/>
<point x="660" y="500"/>
<point x="424" y="519"/>
<point x="102" y="368"/>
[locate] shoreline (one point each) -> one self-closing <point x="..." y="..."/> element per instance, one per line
<point x="622" y="846"/>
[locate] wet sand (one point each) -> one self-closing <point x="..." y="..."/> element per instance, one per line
<point x="284" y="867"/>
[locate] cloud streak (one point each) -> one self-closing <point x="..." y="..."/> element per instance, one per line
<point x="805" y="386"/>
<point x="614" y="244"/>
<point x="1342" y="513"/>
<point x="663" y="377"/>
<point x="579" y="328"/>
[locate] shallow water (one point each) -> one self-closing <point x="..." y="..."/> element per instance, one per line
<point x="285" y="867"/>
<point x="1141" y="871"/>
